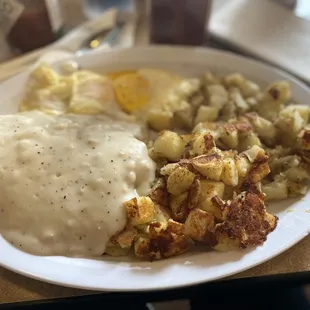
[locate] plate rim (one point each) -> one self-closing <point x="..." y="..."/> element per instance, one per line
<point x="299" y="236"/>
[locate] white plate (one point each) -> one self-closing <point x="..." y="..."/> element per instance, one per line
<point x="111" y="274"/>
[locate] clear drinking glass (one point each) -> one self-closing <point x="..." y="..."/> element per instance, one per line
<point x="94" y="8"/>
<point x="180" y="22"/>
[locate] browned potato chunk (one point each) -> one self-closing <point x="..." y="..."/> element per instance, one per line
<point x="140" y="210"/>
<point x="179" y="181"/>
<point x="247" y="140"/>
<point x="208" y="190"/>
<point x="246" y="223"/>
<point x="178" y="206"/>
<point x="228" y="135"/>
<point x="198" y="226"/>
<point x="162" y="242"/>
<point x="290" y="126"/>
<point x="206" y="114"/>
<point x="243" y="166"/>
<point x="276" y="190"/>
<point x="159" y="193"/>
<point x="188" y="137"/>
<point x="183" y="118"/>
<point x="265" y="129"/>
<point x="203" y="145"/>
<point x="194" y="193"/>
<point x="162" y="214"/>
<point x="209" y="166"/>
<point x="168" y="169"/>
<point x="169" y="145"/>
<point x="303" y="110"/>
<point x="126" y="237"/>
<point x="278" y="92"/>
<point x="229" y="174"/>
<point x="234" y="80"/>
<point x="159" y="119"/>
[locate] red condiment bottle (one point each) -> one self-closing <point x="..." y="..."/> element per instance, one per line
<point x="180" y="22"/>
<point x="33" y="29"/>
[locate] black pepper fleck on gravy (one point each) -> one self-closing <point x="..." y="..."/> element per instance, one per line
<point x="55" y="155"/>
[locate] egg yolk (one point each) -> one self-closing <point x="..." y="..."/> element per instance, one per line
<point x="132" y="91"/>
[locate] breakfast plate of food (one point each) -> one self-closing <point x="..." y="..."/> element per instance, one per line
<point x="151" y="168"/>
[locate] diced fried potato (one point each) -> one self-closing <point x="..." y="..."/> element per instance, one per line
<point x="206" y="127"/>
<point x="188" y="137"/>
<point x="162" y="214"/>
<point x="217" y="90"/>
<point x="248" y="140"/>
<point x="278" y="92"/>
<point x="249" y="89"/>
<point x="206" y="114"/>
<point x="276" y="152"/>
<point x="229" y="154"/>
<point x="187" y="88"/>
<point x="296" y="174"/>
<point x="243" y="166"/>
<point x="168" y="169"/>
<point x="162" y="243"/>
<point x="276" y="190"/>
<point x="126" y="237"/>
<point x="259" y="170"/>
<point x="142" y="249"/>
<point x="194" y="193"/>
<point x="297" y="188"/>
<point x="156" y="157"/>
<point x="268" y="110"/>
<point x="159" y="119"/>
<point x="228" y="135"/>
<point x="234" y="80"/>
<point x="252" y="102"/>
<point x="197" y="100"/>
<point x="169" y="145"/>
<point x="291" y="125"/>
<point x="208" y="190"/>
<point x="179" y="181"/>
<point x="211" y="189"/>
<point x="209" y="166"/>
<point x="229" y="174"/>
<point x="184" y="117"/>
<point x="140" y="210"/>
<point x="246" y="223"/>
<point x="217" y="101"/>
<point x="198" y="226"/>
<point x="203" y="145"/>
<point x="178" y="206"/>
<point x="159" y="193"/>
<point x="264" y="128"/>
<point x="228" y="112"/>
<point x="304" y="139"/>
<point x="241" y="105"/>
<point x="210" y="79"/>
<point x="171" y="241"/>
<point x="255" y="153"/>
<point x="303" y="110"/>
<point x="279" y="164"/>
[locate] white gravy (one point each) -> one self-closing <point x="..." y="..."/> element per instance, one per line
<point x="63" y="181"/>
